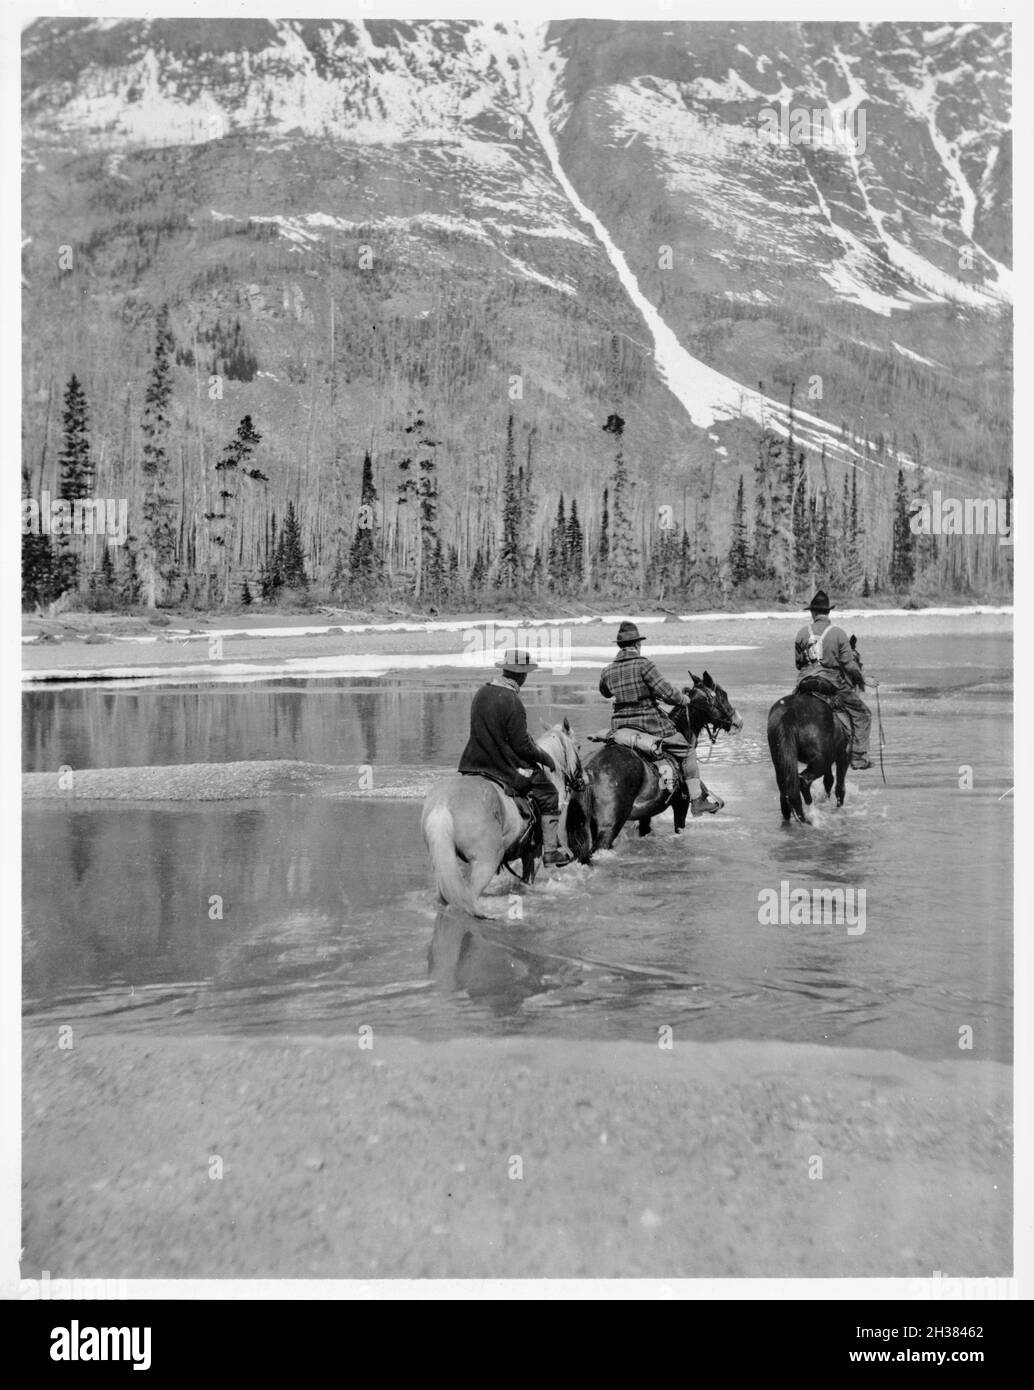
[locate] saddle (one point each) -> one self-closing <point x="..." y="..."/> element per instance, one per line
<point x="824" y="690"/>
<point x="650" y="749"/>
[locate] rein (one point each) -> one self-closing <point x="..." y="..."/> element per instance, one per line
<point x="879" y="722"/>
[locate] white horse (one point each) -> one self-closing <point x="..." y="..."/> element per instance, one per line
<point x="471" y="820"/>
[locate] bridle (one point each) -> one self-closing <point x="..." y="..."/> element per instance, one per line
<point x="715" y="722"/>
<point x="574" y="781"/>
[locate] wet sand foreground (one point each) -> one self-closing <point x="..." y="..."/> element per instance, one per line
<point x="201" y="1157"/>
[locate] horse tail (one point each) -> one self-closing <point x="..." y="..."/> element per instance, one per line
<point x="439" y="835"/>
<point x="782" y="743"/>
<point x="578" y="824"/>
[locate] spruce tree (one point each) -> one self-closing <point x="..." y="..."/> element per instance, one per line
<point x="510" y="544"/>
<point x="159" y="548"/>
<point x="739" y="551"/>
<point x="43" y="574"/>
<point x="603" y="550"/>
<point x="477" y="574"/>
<point x="290" y="561"/>
<point x="761" y="552"/>
<point x="685" y="563"/>
<point x="364" y="564"/>
<point x="535" y="578"/>
<point x="803" y="543"/>
<point x="855" y="545"/>
<point x="902" y="553"/>
<point x="822" y="542"/>
<point x="74" y="459"/>
<point x="555" y="560"/>
<point x="776" y="495"/>
<point x="573" y="542"/>
<point x="76" y="475"/>
<point x="427" y="493"/>
<point x="623" y="566"/>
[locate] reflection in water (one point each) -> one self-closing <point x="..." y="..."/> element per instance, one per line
<point x="366" y="710"/>
<point x="312" y="721"/>
<point x="463" y="958"/>
<point x="327" y="920"/>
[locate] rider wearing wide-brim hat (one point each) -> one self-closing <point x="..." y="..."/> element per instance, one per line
<point x="821" y="648"/>
<point x="500" y="745"/>
<point x="635" y="685"/>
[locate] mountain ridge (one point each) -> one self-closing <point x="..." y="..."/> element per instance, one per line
<point x="202" y="150"/>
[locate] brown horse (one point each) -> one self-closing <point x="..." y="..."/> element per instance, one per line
<point x="472" y="821"/>
<point x="622" y="786"/>
<point x="806" y="741"/>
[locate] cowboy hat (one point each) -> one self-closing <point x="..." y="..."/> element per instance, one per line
<point x="628" y="634"/>
<point x="820" y="603"/>
<point x="517" y="661"/>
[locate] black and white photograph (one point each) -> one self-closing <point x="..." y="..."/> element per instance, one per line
<point x="517" y="595"/>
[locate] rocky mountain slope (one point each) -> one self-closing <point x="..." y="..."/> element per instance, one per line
<point x="358" y="225"/>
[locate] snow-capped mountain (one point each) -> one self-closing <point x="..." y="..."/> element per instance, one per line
<point x="677" y="220"/>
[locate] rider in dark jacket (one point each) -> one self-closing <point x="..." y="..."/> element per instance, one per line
<point x="500" y="745"/>
<point x="822" y="649"/>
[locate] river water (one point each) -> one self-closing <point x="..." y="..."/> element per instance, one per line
<point x="311" y="913"/>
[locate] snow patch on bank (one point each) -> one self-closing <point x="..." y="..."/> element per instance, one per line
<point x="341" y="664"/>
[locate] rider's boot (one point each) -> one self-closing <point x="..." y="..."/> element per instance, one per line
<point x="552" y="851"/>
<point x="701" y="802"/>
<point x="859" y="762"/>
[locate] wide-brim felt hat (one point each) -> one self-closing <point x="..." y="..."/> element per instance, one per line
<point x="820" y="603"/>
<point x="517" y="662"/>
<point x="627" y="634"/>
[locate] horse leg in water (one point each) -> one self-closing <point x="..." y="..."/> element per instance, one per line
<point x="467" y="820"/>
<point x="843" y="754"/>
<point x="827" y="782"/>
<point x="645" y="826"/>
<point x="811" y="773"/>
<point x="616" y="775"/>
<point x="679" y="806"/>
<point x="783" y="743"/>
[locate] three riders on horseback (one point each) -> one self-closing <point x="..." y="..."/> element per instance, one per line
<point x="500" y="748"/>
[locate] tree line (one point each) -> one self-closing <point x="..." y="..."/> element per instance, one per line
<point x="794" y="528"/>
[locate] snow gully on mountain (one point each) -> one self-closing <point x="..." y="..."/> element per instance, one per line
<point x="706" y="395"/>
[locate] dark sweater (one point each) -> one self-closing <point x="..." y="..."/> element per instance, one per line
<point x="499" y="741"/>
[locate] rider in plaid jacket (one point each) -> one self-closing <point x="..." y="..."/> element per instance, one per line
<point x="634" y="683"/>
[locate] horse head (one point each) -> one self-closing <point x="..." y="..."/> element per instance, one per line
<point x="572" y="789"/>
<point x="710" y="707"/>
<point x="559" y="741"/>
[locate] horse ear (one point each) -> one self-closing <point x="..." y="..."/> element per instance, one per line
<point x="694" y="679"/>
<point x="708" y="680"/>
<point x="567" y="725"/>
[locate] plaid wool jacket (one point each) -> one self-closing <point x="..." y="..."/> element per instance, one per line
<point x="634" y="683"/>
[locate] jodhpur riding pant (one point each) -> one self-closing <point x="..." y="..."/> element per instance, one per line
<point x="861" y="718"/>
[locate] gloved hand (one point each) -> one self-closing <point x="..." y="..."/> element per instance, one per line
<point x="547" y="760"/>
<point x="858" y="680"/>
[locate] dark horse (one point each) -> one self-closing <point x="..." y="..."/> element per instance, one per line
<point x="620" y="785"/>
<point x="803" y="730"/>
